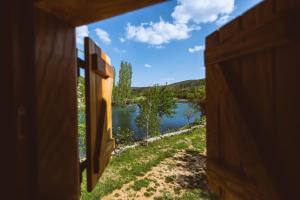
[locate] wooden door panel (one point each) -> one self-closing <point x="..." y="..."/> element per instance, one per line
<point x="252" y="67"/>
<point x="99" y="84"/>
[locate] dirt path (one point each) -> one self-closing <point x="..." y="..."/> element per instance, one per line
<point x="172" y="177"/>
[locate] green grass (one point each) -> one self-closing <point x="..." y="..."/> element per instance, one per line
<point x="136" y="162"/>
<point x="139" y="184"/>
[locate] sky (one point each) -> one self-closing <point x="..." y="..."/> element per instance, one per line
<point x="165" y="43"/>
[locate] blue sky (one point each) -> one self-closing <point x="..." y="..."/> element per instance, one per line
<point x="164" y="42"/>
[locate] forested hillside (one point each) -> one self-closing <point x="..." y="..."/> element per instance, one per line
<point x="182" y="90"/>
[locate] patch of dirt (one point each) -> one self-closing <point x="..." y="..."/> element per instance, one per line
<point x="175" y="175"/>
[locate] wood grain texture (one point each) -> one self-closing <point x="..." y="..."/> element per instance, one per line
<point x="100" y="143"/>
<point x="236" y="151"/>
<point x="252" y="111"/>
<point x="56" y="110"/>
<point x="102" y="67"/>
<point x="79" y="12"/>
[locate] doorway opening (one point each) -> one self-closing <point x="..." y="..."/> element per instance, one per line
<point x="159" y="126"/>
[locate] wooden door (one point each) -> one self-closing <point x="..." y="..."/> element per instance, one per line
<point x="99" y="83"/>
<point x="252" y="73"/>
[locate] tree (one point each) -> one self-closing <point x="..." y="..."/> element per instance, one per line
<point x="159" y="101"/>
<point x="115" y="92"/>
<point x="199" y="99"/>
<point x="189" y="114"/>
<point x="147" y="120"/>
<point x="123" y="89"/>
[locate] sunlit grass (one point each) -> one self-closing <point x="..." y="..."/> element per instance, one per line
<point x="133" y="163"/>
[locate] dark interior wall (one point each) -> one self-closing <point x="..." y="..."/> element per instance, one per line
<point x="56" y="115"/>
<point x="16" y="83"/>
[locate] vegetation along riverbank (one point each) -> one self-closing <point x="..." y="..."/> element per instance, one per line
<point x="154" y="104"/>
<point x="170" y="168"/>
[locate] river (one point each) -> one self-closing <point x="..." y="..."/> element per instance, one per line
<point x="124" y="117"/>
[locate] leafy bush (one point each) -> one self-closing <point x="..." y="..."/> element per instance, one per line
<point x="124" y="136"/>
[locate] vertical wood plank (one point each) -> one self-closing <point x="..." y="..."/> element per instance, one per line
<point x="213" y="126"/>
<point x="213" y="141"/>
<point x="231" y="151"/>
<point x="56" y="108"/>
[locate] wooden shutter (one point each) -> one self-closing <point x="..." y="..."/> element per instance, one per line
<point x="99" y="83"/>
<point x="252" y="73"/>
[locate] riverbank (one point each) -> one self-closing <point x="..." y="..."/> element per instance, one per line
<point x="145" y="172"/>
<point x="125" y="118"/>
<point x="138" y="99"/>
<point x="118" y="150"/>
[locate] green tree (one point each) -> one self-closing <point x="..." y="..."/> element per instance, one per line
<point x="123" y="88"/>
<point x="148" y="120"/>
<point x="199" y="99"/>
<point x="159" y="101"/>
<point x="115" y="92"/>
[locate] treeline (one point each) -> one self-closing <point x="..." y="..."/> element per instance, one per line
<point x="188" y="90"/>
<point x="154" y="103"/>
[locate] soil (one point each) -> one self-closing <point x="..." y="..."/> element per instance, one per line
<point x="173" y="176"/>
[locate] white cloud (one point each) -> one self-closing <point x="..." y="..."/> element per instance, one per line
<point x="148" y="65"/>
<point x="187" y="15"/>
<point x="201" y="11"/>
<point x="81" y="32"/>
<point x="159" y="33"/>
<point x="196" y="48"/>
<point x="103" y="35"/>
<point x="122" y="39"/>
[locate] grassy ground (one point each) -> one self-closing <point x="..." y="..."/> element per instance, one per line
<point x="132" y="164"/>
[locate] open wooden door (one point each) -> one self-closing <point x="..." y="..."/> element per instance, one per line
<point x="99" y="83"/>
<point x="252" y="73"/>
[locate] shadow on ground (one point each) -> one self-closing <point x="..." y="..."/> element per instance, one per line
<point x="195" y="163"/>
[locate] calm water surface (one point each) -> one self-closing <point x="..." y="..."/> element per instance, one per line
<point x="124" y="117"/>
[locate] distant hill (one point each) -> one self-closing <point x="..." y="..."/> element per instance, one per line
<point x="188" y="84"/>
<point x="180" y="88"/>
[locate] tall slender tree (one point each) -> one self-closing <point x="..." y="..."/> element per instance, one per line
<point x="124" y="85"/>
<point x="115" y="89"/>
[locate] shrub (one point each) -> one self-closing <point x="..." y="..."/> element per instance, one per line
<point x="124" y="136"/>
